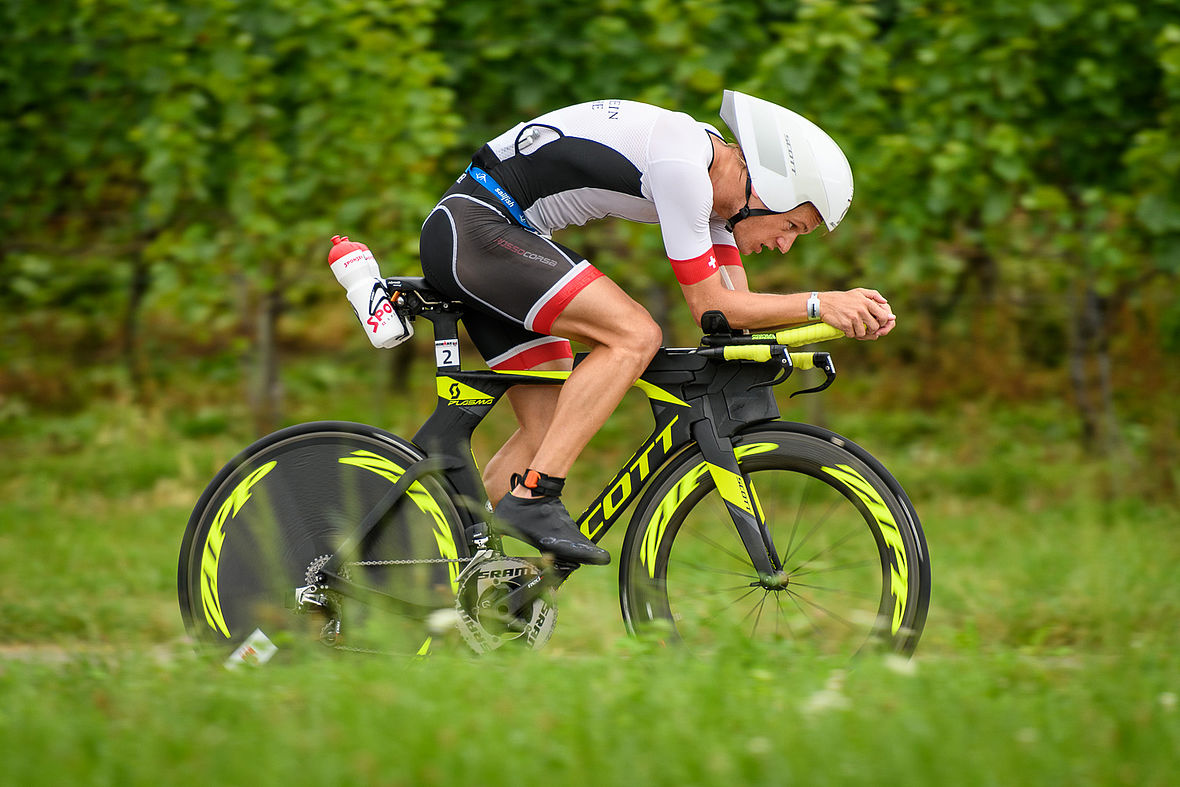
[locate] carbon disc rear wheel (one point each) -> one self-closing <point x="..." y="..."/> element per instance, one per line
<point x="264" y="528"/>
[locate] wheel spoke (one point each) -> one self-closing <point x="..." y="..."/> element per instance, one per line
<point x="814" y="529"/>
<point x="798" y="519"/>
<point x="780" y="618"/>
<point x="798" y="597"/>
<point x="716" y="592"/>
<point x="805" y="572"/>
<point x="838" y="543"/>
<point x="743" y="559"/>
<point x="712" y="570"/>
<point x="759" y="606"/>
<point x="730" y="605"/>
<point x="841" y="591"/>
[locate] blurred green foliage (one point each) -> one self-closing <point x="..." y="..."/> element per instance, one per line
<point x="166" y="167"/>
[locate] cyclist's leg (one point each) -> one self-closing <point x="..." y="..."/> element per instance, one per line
<point x="623" y="338"/>
<point x="524" y="291"/>
<point x="473" y="253"/>
<point x="533" y="407"/>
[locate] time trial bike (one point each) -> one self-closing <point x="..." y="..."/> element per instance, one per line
<point x="346" y="535"/>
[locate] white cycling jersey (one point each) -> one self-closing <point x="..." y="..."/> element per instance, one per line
<point x="624" y="159"/>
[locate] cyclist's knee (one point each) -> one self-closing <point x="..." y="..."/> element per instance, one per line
<point x="650" y="337"/>
<point x="639" y="338"/>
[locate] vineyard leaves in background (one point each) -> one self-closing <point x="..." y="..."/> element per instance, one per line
<point x="180" y="166"/>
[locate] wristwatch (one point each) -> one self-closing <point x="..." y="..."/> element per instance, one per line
<point x="813" y="306"/>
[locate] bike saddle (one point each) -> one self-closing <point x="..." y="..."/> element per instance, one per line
<point x="414" y="284"/>
<point x="427" y="296"/>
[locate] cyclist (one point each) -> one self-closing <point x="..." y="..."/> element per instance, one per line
<point x="487" y="243"/>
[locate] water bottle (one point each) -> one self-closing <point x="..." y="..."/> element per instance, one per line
<point x="356" y="270"/>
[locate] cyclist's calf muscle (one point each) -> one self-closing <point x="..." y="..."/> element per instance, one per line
<point x="533" y="407"/>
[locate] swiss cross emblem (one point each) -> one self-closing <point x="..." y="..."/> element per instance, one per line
<point x="712" y="261"/>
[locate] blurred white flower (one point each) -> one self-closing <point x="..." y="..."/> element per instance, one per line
<point x="825" y="700"/>
<point x="1027" y="735"/>
<point x="901" y="665"/>
<point x="830" y="697"/>
<point x="440" y="621"/>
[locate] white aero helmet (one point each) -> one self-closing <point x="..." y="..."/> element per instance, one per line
<point x="790" y="159"/>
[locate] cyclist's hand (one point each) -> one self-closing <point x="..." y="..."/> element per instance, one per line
<point x="860" y="313"/>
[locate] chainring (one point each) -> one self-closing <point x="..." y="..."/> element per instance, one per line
<point x="482" y="586"/>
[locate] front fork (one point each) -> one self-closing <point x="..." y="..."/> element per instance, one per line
<point x="740" y="500"/>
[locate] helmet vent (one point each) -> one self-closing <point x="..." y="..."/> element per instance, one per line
<point x="770" y="150"/>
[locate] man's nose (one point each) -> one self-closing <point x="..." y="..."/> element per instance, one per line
<point x="784" y="241"/>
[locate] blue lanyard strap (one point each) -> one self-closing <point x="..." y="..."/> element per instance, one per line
<point x="489" y="183"/>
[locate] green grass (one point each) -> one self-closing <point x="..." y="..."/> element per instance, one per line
<point x="743" y="716"/>
<point x="1049" y="655"/>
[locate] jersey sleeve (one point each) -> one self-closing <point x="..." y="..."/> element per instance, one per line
<point x="723" y="244"/>
<point x="683" y="197"/>
<point x="678" y="179"/>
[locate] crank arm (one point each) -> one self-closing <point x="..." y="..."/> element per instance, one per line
<point x="519" y="599"/>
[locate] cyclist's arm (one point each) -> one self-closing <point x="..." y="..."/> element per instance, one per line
<point x="860" y="313"/>
<point x="683" y="196"/>
<point x="737" y="278"/>
<point x="697" y="244"/>
<point x="733" y="274"/>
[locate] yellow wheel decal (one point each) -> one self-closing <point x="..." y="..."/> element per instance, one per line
<point x="898" y="573"/>
<point x="211" y="555"/>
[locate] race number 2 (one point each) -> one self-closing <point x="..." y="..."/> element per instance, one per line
<point x="446" y="353"/>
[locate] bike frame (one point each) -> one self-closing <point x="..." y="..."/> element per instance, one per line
<point x="695" y="402"/>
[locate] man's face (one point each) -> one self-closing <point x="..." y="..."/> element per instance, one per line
<point x="777" y="231"/>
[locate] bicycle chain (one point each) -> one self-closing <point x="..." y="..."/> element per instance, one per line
<point x="479" y="639"/>
<point x="410" y="561"/>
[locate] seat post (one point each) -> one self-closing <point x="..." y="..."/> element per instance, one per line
<point x="445" y="317"/>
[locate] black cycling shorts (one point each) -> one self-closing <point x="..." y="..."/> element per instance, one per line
<point x="514" y="282"/>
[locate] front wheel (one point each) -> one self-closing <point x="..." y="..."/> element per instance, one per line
<point x="855" y="567"/>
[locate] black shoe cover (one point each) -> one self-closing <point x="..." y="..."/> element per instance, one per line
<point x="544" y="523"/>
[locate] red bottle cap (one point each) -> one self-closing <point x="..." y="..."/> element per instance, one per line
<point x="341" y="245"/>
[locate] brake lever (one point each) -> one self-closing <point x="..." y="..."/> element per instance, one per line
<point x="822" y="361"/>
<point x="788" y="366"/>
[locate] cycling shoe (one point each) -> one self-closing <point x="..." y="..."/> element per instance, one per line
<point x="544" y="523"/>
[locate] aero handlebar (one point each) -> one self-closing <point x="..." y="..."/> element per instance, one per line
<point x="804" y="334"/>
